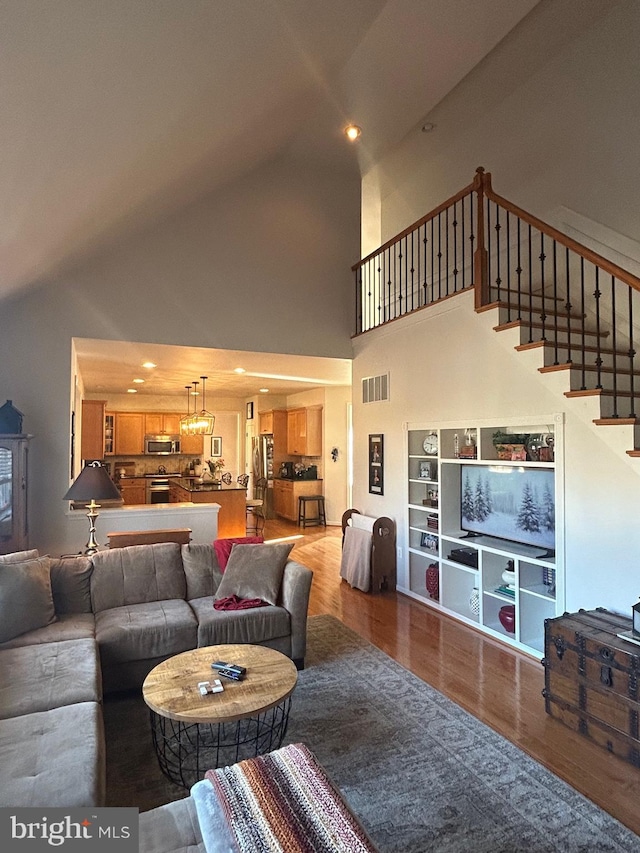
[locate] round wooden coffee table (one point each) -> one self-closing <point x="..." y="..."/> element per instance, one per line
<point x="193" y="733"/>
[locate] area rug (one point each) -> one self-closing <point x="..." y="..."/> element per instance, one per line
<point x="421" y="773"/>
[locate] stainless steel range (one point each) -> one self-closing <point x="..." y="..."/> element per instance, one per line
<point x="158" y="487"/>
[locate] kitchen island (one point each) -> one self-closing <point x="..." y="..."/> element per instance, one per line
<point x="232" y="499"/>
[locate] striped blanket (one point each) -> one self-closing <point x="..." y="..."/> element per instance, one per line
<point x="283" y="801"/>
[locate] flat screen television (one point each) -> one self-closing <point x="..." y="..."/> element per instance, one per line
<point x="509" y="502"/>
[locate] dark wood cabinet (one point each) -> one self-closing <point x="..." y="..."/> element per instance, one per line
<point x="14" y="528"/>
<point x="591" y="679"/>
<point x="93" y="429"/>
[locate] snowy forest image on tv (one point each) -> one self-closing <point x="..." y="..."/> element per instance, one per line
<point x="510" y="503"/>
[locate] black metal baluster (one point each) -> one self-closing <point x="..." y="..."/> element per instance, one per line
<point x="582" y="312"/>
<point x="614" y="338"/>
<point x="530" y="289"/>
<point x="358" y="275"/>
<point x="568" y="306"/>
<point x="597" y="296"/>
<point x="519" y="268"/>
<point x="425" y="242"/>
<point x="413" y="237"/>
<point x="446" y="265"/>
<point x="487" y="231"/>
<point x="555" y="304"/>
<point x="380" y="286"/>
<point x="472" y="239"/>
<point x="543" y="285"/>
<point x="440" y="256"/>
<point x="508" y="235"/>
<point x="462" y="247"/>
<point x="632" y="354"/>
<point x="433" y="282"/>
<point x="498" y="228"/>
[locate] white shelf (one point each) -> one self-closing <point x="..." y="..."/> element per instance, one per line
<point x="539" y="577"/>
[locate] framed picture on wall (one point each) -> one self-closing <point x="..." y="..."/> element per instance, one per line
<point x="250" y="411"/>
<point x="216" y="446"/>
<point x="376" y="464"/>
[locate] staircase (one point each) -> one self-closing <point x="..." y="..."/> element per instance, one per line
<point x="576" y="314"/>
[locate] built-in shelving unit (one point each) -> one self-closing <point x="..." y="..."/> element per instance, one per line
<point x="510" y="476"/>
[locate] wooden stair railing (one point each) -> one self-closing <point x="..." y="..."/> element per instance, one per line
<point x="581" y="309"/>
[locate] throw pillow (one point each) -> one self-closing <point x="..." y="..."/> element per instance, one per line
<point x="19" y="556"/>
<point x="223" y="547"/>
<point x="26" y="601"/>
<point x="255" y="571"/>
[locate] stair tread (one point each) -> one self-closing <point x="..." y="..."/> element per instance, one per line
<point x="534" y="309"/>
<point x="573" y="346"/>
<point x="513" y="324"/>
<point x="601" y="392"/>
<point x="592" y="368"/>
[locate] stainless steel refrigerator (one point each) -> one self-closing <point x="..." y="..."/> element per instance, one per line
<point x="262" y="468"/>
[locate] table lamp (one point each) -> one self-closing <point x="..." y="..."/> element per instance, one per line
<point x="92" y="483"/>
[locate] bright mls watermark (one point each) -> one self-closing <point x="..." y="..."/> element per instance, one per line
<point x="31" y="830"/>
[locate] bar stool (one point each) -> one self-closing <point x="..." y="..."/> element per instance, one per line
<point x="319" y="518"/>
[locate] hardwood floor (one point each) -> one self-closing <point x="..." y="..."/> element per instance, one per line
<point x="498" y="685"/>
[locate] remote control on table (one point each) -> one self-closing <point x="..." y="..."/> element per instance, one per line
<point x="206" y="687"/>
<point x="230" y="667"/>
<point x="232" y="674"/>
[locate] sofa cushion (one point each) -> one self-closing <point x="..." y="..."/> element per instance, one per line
<point x="26" y="601"/>
<point x="42" y="677"/>
<point x="137" y="574"/>
<point x="217" y="627"/>
<point x="71" y="584"/>
<point x="255" y="571"/>
<point x="19" y="556"/>
<point x="69" y="626"/>
<point x="223" y="547"/>
<point x="173" y="828"/>
<point x="53" y="758"/>
<point x="142" y="631"/>
<point x="201" y="569"/>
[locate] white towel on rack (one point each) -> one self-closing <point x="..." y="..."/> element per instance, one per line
<point x="355" y="567"/>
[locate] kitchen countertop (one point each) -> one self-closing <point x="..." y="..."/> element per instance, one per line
<point x="192" y="485"/>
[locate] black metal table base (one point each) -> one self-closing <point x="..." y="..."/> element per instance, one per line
<point x="187" y="750"/>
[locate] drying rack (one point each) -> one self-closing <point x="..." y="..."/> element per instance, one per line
<point x="383" y="550"/>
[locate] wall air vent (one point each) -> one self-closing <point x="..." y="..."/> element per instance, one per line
<point x="375" y="388"/>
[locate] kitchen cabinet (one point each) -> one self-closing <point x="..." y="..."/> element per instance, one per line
<point x="14" y="531"/>
<point x="193" y="445"/>
<point x="304" y="431"/>
<point x="232" y="515"/>
<point x="92" y="435"/>
<point x="129" y="437"/>
<point x="161" y="423"/>
<point x="265" y="423"/>
<point x="109" y="433"/>
<point x="133" y="490"/>
<point x="287" y="492"/>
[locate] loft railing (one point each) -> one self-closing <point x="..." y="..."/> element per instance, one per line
<point x="583" y="309"/>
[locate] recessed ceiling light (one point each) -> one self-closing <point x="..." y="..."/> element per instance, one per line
<point x="239" y="370"/>
<point x="428" y="126"/>
<point x="149" y="365"/>
<point x="353" y="132"/>
<point x="138" y="381"/>
<point x="132" y="390"/>
<point x="264" y="390"/>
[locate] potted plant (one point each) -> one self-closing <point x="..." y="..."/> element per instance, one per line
<point x="509" y="443"/>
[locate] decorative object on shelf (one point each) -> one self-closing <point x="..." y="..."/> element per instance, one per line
<point x="535" y="443"/>
<point x="430" y="444"/>
<point x="429" y="541"/>
<point x="546" y="452"/>
<point x="474" y="601"/>
<point x="509" y="575"/>
<point x="469" y="449"/>
<point x="10" y="419"/>
<point x="549" y="579"/>
<point x="216" y="446"/>
<point x="510" y="446"/>
<point x="425" y="470"/>
<point x="376" y="461"/>
<point x="432" y="581"/>
<point x="507" y="617"/>
<point x="215" y="467"/>
<point x="432" y="522"/>
<point x="92" y="483"/>
<point x="431" y="499"/>
<point x="456" y="446"/>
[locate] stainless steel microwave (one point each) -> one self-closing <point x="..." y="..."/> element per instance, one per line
<point x="161" y="445"/>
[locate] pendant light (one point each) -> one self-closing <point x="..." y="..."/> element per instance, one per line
<point x="186" y="420"/>
<point x="204" y="421"/>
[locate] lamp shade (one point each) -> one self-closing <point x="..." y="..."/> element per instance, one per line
<point x="93" y="484"/>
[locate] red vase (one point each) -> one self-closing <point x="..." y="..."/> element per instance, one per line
<point x="507" y="617"/>
<point x="433" y="581"/>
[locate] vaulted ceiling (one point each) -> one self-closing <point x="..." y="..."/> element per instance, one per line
<point x="117" y="113"/>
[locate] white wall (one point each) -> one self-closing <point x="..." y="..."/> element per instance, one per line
<point x="263" y="266"/>
<point x="448" y="365"/>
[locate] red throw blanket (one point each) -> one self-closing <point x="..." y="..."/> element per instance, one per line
<point x="234" y="602"/>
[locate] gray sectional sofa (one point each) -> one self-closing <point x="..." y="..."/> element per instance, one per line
<point x="72" y="629"/>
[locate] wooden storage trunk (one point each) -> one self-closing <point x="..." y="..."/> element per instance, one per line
<point x="591" y="679"/>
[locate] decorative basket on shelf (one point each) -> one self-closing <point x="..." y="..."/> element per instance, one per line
<point x="433" y="581"/>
